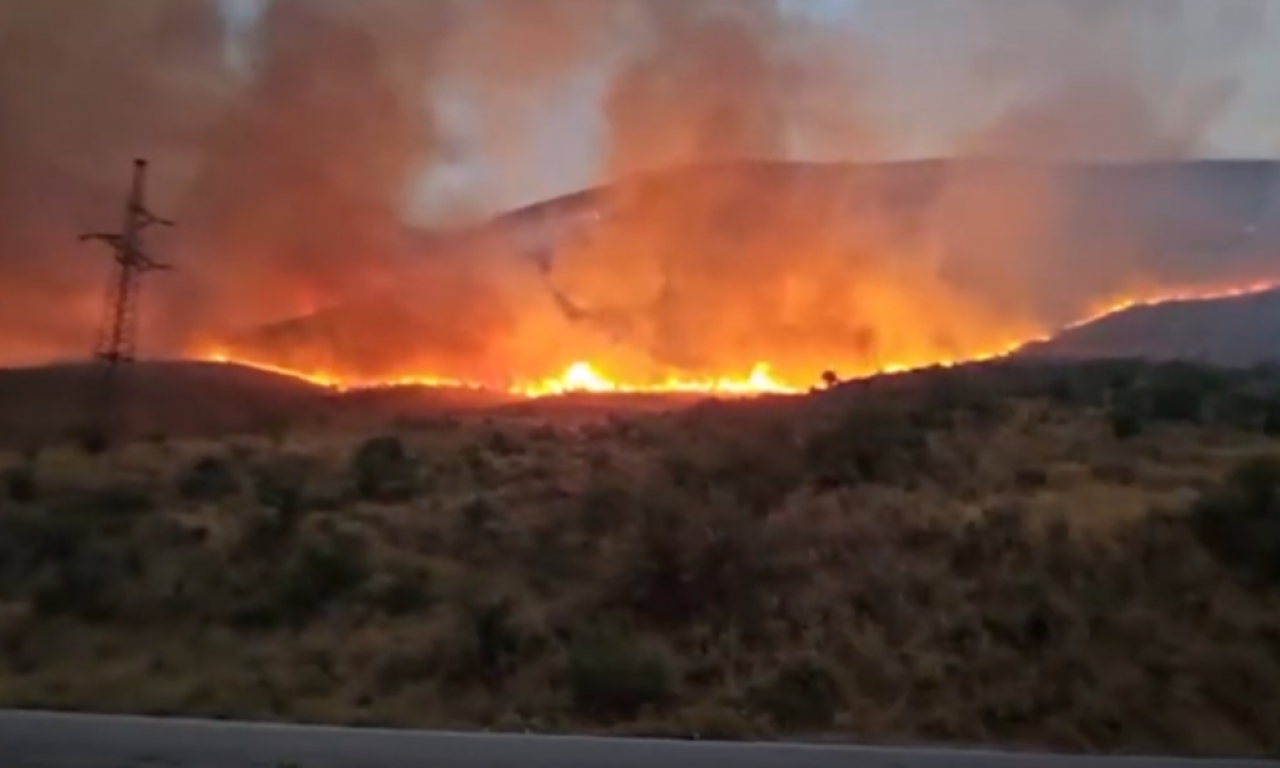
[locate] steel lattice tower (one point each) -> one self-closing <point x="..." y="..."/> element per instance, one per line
<point x="117" y="335"/>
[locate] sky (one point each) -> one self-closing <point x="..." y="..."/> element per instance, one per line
<point x="918" y="71"/>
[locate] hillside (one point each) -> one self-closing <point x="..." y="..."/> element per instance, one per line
<point x="1178" y="224"/>
<point x="1236" y="331"/>
<point x="43" y="404"/>
<point x="166" y="400"/>
<point x="1071" y="557"/>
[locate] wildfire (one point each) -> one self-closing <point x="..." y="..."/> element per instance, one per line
<point x="581" y="377"/>
<point x="587" y="377"/>
<point x="1164" y="297"/>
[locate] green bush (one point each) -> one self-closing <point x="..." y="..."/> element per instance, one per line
<point x="602" y="507"/>
<point x="1125" y="424"/>
<point x="691" y="564"/>
<point x="1271" y="418"/>
<point x="1181" y="392"/>
<point x="93" y="441"/>
<point x="868" y="445"/>
<point x="491" y="640"/>
<point x="613" y="676"/>
<point x="1239" y="521"/>
<point x="801" y="694"/>
<point x="404" y="592"/>
<point x="383" y="470"/>
<point x="120" y="501"/>
<point x="478" y="525"/>
<point x="322" y="573"/>
<point x="760" y="471"/>
<point x="305" y="586"/>
<point x="79" y="587"/>
<point x="20" y="484"/>
<point x="209" y="478"/>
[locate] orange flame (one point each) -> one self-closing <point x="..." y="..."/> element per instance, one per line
<point x="1152" y="298"/>
<point x="587" y="377"/>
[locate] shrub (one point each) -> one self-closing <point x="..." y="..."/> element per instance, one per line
<point x="1239" y="521"/>
<point x="383" y="470"/>
<point x="94" y="442"/>
<point x="554" y="558"/>
<point x="478" y="524"/>
<point x="490" y="641"/>
<point x="1271" y="418"/>
<point x="872" y="445"/>
<point x="209" y="478"/>
<point x="1125" y="424"/>
<point x="1175" y="402"/>
<point x="281" y="492"/>
<point x="316" y="576"/>
<point x="612" y="675"/>
<point x="760" y="472"/>
<point x="31" y="538"/>
<point x="602" y="507"/>
<point x="692" y="563"/>
<point x="323" y="572"/>
<point x="78" y="586"/>
<point x="1180" y="392"/>
<point x="404" y="592"/>
<point x="20" y="484"/>
<point x="801" y="694"/>
<point x="115" y="506"/>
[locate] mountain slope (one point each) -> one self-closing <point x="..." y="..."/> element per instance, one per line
<point x="1234" y="331"/>
<point x="170" y="398"/>
<point x="1051" y="238"/>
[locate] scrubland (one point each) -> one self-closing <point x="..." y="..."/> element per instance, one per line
<point x="1084" y="558"/>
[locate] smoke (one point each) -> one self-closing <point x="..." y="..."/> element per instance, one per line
<point x="291" y="165"/>
<point x="710" y="273"/>
<point x="300" y="202"/>
<point x="1090" y="81"/>
<point x="83" y="89"/>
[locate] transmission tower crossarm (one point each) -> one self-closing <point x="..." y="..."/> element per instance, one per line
<point x="147" y="218"/>
<point x="147" y="264"/>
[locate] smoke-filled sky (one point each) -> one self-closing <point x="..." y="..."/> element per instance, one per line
<point x="915" y="47"/>
<point x="921" y="75"/>
<point x="295" y="139"/>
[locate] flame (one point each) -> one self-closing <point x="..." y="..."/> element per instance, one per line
<point x="580" y="377"/>
<point x="1147" y="299"/>
<point x="587" y="377"/>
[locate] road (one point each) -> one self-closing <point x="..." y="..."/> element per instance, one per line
<point x="40" y="740"/>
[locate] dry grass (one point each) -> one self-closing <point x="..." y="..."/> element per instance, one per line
<point x="1050" y="558"/>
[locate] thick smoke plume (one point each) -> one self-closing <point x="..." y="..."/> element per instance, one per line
<point x="292" y="179"/>
<point x="299" y="202"/>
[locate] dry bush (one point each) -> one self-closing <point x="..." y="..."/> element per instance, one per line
<point x="951" y="555"/>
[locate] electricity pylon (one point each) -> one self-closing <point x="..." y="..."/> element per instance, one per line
<point x="117" y="336"/>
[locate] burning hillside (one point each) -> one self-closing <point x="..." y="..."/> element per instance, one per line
<point x="587" y="376"/>
<point x="757" y="278"/>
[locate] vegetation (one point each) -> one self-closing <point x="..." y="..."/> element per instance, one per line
<point x="1084" y="558"/>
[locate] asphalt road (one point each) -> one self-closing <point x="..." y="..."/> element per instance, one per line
<point x="40" y="740"/>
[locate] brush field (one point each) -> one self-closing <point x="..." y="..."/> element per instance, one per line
<point x="1080" y="557"/>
